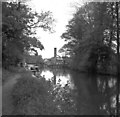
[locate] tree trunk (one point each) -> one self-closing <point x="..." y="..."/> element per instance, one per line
<point x="111" y="26"/>
<point x="118" y="67"/>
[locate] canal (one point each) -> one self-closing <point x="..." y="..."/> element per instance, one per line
<point x="82" y="94"/>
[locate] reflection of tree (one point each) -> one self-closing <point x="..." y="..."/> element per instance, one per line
<point x="96" y="93"/>
<point x="88" y="97"/>
<point x="107" y="87"/>
<point x="62" y="72"/>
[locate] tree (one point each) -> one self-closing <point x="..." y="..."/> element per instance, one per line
<point x="89" y="33"/>
<point x="95" y="30"/>
<point x="18" y="29"/>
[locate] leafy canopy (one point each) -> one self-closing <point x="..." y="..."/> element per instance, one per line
<point x="18" y="30"/>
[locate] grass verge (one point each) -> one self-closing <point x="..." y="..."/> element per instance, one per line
<point x="31" y="97"/>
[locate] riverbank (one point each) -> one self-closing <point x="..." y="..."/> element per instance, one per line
<point x="7" y="100"/>
<point x="9" y="79"/>
<point x="24" y="94"/>
<point x="28" y="95"/>
<point x="31" y="97"/>
<point x="99" y="72"/>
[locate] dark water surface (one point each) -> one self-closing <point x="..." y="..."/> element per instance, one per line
<point x="82" y="94"/>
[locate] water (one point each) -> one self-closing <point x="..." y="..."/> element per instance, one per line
<point x="82" y="94"/>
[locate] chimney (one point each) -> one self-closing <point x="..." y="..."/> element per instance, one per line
<point x="55" y="52"/>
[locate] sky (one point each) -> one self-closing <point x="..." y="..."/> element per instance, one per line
<point x="62" y="11"/>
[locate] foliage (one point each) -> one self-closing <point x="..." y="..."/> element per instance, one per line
<point x="32" y="96"/>
<point x="64" y="97"/>
<point x="34" y="59"/>
<point x="18" y="29"/>
<point x="91" y="34"/>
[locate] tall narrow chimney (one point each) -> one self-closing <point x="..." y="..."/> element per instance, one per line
<point x="55" y="52"/>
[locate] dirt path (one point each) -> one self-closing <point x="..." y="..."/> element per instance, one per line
<point x="7" y="106"/>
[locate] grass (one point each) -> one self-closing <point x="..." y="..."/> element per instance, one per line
<point x="7" y="74"/>
<point x="31" y="97"/>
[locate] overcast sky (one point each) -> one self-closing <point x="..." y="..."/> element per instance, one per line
<point x="62" y="12"/>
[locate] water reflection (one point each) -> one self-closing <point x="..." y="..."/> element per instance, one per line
<point x="107" y="88"/>
<point x="58" y="77"/>
<point x="82" y="94"/>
